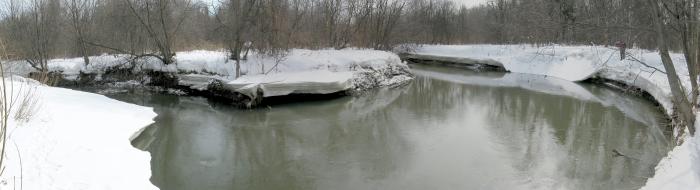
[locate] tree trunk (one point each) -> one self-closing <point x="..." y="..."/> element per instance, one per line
<point x="236" y="55"/>
<point x="690" y="62"/>
<point x="681" y="103"/>
<point x="84" y="51"/>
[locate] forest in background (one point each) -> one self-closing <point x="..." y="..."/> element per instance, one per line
<point x="41" y="29"/>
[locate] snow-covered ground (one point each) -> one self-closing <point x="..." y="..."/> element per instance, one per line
<point x="74" y="140"/>
<point x="323" y="71"/>
<point x="681" y="169"/>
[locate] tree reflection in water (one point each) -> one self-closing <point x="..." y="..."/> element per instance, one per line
<point x="431" y="134"/>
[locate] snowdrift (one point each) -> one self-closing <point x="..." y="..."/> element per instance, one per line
<point x="74" y="140"/>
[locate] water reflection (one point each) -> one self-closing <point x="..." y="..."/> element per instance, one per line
<point x="433" y="134"/>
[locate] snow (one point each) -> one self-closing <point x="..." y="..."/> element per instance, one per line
<point x="569" y="63"/>
<point x="681" y="169"/>
<point x="326" y="70"/>
<point x="217" y="62"/>
<point x="197" y="81"/>
<point x="575" y="63"/>
<point x="331" y="60"/>
<point x="315" y="72"/>
<point x="306" y="82"/>
<point x="75" y="140"/>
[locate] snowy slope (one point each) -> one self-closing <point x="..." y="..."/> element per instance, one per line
<point x="74" y="141"/>
<point x="574" y="63"/>
<point x="569" y="63"/>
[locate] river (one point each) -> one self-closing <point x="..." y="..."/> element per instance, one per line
<point x="448" y="129"/>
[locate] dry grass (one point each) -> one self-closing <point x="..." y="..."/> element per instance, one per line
<point x="18" y="96"/>
<point x="26" y="102"/>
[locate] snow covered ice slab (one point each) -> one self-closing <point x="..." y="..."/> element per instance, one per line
<point x="307" y="82"/>
<point x="457" y="60"/>
<point x="197" y="81"/>
<point x="76" y="141"/>
<point x="566" y="62"/>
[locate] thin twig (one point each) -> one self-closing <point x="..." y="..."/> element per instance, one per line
<point x="21" y="171"/>
<point x="630" y="57"/>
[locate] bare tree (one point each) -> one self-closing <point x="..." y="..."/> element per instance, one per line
<point x="385" y="19"/>
<point x="36" y="29"/>
<point x="683" y="13"/>
<point x="298" y="11"/>
<point x="680" y="99"/>
<point x="236" y="20"/>
<point x="80" y="15"/>
<point x="331" y="11"/>
<point x="161" y="19"/>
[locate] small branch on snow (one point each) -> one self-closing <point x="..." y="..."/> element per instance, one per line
<point x="630" y="57"/>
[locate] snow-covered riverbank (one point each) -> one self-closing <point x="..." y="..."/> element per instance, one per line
<point x="298" y="71"/>
<point x="575" y="63"/>
<point x="74" y="140"/>
<point x="681" y="169"/>
<point x="79" y="140"/>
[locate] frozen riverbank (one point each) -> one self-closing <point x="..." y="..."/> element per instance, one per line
<point x="74" y="140"/>
<point x="574" y="63"/>
<point x="297" y="72"/>
<point x="578" y="63"/>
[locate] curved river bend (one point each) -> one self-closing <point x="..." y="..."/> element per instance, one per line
<point x="449" y="129"/>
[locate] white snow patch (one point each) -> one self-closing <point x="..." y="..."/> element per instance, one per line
<point x="217" y="62"/>
<point x="280" y="84"/>
<point x="318" y="72"/>
<point x="75" y="141"/>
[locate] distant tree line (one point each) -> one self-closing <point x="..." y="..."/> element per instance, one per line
<point x="37" y="30"/>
